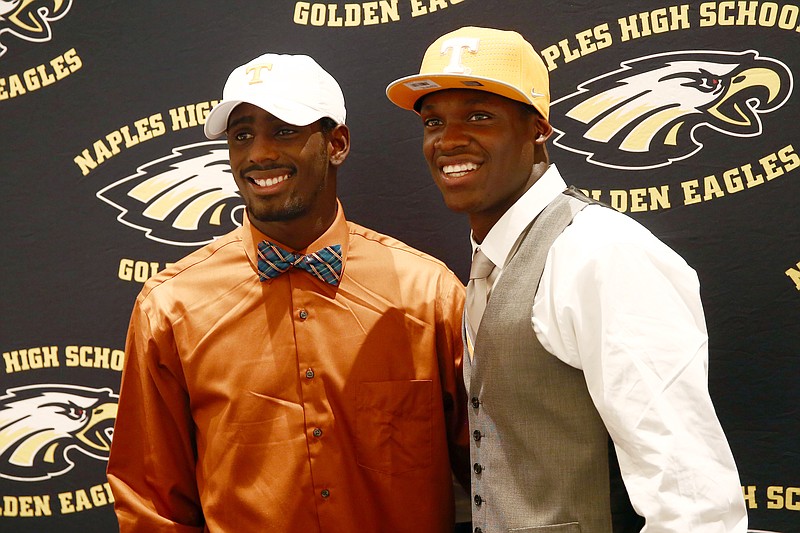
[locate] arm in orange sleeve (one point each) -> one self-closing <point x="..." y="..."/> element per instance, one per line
<point x="451" y="351"/>
<point x="153" y="455"/>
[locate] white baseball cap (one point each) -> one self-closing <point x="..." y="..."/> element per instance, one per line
<point x="293" y="88"/>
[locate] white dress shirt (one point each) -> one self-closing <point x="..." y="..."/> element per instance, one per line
<point x="617" y="303"/>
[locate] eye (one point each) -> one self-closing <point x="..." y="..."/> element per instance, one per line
<point x="710" y="82"/>
<point x="284" y="132"/>
<point x="72" y="411"/>
<point x="703" y="81"/>
<point x="431" y="122"/>
<point x="479" y="116"/>
<point x="239" y="136"/>
<point x="75" y="413"/>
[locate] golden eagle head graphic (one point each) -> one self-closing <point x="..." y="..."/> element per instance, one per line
<point x="30" y="19"/>
<point x="654" y="110"/>
<point x="42" y="425"/>
<point x="188" y="198"/>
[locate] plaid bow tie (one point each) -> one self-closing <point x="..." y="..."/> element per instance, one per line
<point x="325" y="264"/>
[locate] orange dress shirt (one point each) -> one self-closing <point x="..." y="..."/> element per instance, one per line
<point x="291" y="405"/>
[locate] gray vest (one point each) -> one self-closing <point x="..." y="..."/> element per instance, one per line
<point x="539" y="450"/>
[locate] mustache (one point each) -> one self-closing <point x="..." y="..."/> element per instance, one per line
<point x="275" y="166"/>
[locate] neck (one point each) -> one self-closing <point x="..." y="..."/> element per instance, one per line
<point x="482" y="223"/>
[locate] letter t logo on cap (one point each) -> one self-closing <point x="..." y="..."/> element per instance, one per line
<point x="458" y="45"/>
<point x="256" y="69"/>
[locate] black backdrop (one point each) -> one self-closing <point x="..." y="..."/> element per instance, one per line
<point x="101" y="105"/>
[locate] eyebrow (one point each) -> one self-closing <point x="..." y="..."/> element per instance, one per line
<point x="475" y="100"/>
<point x="241" y="120"/>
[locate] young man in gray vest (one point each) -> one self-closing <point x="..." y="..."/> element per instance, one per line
<point x="587" y="366"/>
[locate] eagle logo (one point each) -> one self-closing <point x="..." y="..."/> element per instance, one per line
<point x="651" y="112"/>
<point x="30" y="19"/>
<point x="40" y="426"/>
<point x="188" y="198"/>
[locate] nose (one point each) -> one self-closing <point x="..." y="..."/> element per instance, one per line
<point x="262" y="149"/>
<point x="451" y="136"/>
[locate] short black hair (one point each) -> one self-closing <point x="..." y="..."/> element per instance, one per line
<point x="327" y="124"/>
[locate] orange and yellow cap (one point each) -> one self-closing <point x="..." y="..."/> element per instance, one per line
<point x="497" y="61"/>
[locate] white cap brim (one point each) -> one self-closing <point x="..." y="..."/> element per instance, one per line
<point x="290" y="112"/>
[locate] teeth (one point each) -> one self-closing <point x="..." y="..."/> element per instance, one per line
<point x="456" y="171"/>
<point x="270" y="181"/>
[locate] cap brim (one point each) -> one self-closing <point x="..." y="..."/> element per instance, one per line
<point x="290" y="112"/>
<point x="405" y="92"/>
<point x="217" y="119"/>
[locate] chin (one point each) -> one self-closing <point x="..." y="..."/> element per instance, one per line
<point x="278" y="215"/>
<point x="456" y="206"/>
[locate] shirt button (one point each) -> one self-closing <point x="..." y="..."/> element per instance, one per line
<point x="478" y="500"/>
<point x="303" y="314"/>
<point x="477" y="468"/>
<point x="476" y="435"/>
<point x="317" y="432"/>
<point x="325" y="493"/>
<point x="475" y="402"/>
<point x="309" y="373"/>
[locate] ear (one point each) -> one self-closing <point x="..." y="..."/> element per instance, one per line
<point x="339" y="144"/>
<point x="543" y="128"/>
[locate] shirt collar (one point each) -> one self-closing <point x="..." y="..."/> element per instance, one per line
<point x="501" y="240"/>
<point x="337" y="233"/>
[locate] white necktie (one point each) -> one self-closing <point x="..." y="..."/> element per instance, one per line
<point x="477" y="289"/>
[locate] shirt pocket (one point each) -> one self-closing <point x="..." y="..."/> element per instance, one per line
<point x="393" y="425"/>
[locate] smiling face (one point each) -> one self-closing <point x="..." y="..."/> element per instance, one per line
<point x="286" y="174"/>
<point x="484" y="151"/>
